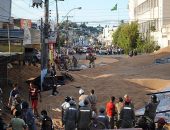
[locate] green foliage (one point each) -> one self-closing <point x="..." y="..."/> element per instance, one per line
<point x="127" y="37"/>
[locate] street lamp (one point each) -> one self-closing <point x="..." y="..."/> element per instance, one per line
<point x="79" y="8"/>
<point x="57" y="40"/>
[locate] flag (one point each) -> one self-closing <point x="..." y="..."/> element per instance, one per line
<point x="114" y="8"/>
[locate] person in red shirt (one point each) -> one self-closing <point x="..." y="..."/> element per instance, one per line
<point x="110" y="111"/>
<point x="33" y="96"/>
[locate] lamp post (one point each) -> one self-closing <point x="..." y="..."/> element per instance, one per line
<point x="57" y="40"/>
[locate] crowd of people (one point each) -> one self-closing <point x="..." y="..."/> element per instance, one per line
<point x="118" y="113"/>
<point x="23" y="115"/>
<point x="84" y="115"/>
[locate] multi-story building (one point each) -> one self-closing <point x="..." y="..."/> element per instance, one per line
<point x="153" y="17"/>
<point x="106" y="38"/>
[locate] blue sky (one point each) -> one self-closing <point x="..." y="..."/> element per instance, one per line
<point x="93" y="11"/>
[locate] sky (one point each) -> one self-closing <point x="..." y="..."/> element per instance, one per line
<point x="94" y="12"/>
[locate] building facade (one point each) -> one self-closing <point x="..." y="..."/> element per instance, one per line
<point x="107" y="36"/>
<point x="153" y="17"/>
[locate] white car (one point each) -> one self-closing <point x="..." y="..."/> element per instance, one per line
<point x="103" y="51"/>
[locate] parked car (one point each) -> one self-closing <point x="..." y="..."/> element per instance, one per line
<point x="103" y="51"/>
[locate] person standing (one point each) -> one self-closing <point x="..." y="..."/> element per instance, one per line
<point x="70" y="117"/>
<point x="64" y="107"/>
<point x="111" y="111"/>
<point x="33" y="96"/>
<point x="16" y="105"/>
<point x="93" y="101"/>
<point x="74" y="61"/>
<point x="17" y="123"/>
<point x="28" y="116"/>
<point x="47" y="123"/>
<point x="95" y="124"/>
<point x="150" y="110"/>
<point x="84" y="116"/>
<point x="91" y="60"/>
<point x="127" y="116"/>
<point x="119" y="107"/>
<point x="82" y="97"/>
<point x="13" y="92"/>
<point x="103" y="118"/>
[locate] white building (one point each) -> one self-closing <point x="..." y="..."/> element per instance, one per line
<point x="106" y="38"/>
<point x="153" y="17"/>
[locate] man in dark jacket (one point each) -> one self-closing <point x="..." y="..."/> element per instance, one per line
<point x="150" y="108"/>
<point x="70" y="117"/>
<point x="47" y="123"/>
<point x="84" y="116"/>
<point x="103" y="118"/>
<point x="95" y="124"/>
<point x="127" y="116"/>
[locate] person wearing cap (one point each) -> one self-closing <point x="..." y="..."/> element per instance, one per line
<point x="161" y="124"/>
<point x="95" y="124"/>
<point x="103" y="118"/>
<point x="82" y="97"/>
<point x="64" y="106"/>
<point x="16" y="104"/>
<point x="84" y="116"/>
<point x="111" y="111"/>
<point x="150" y="108"/>
<point x="70" y="117"/>
<point x="127" y="116"/>
<point x="93" y="100"/>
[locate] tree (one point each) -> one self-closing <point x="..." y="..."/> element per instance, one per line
<point x="126" y="36"/>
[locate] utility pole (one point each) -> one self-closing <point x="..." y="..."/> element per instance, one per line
<point x="57" y="45"/>
<point x="45" y="38"/>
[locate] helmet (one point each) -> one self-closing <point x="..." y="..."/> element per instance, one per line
<point x="67" y="99"/>
<point x="154" y="98"/>
<point x="24" y="105"/>
<point x="81" y="91"/>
